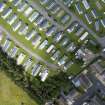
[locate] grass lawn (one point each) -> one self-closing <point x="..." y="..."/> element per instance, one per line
<point x="11" y="94"/>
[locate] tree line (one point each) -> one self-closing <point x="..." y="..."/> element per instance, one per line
<point x="39" y="91"/>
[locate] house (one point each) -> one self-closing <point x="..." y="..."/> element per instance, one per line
<point x="6" y="13"/>
<point x="64" y="41"/>
<point x="80" y="54"/>
<point x="20" y="58"/>
<point x="50" y="48"/>
<point x="103" y="22"/>
<point x="58" y="36"/>
<point x="43" y="45"/>
<point x="86" y="4"/>
<point x="99" y="5"/>
<point x="1" y="35"/>
<point x="10" y="0"/>
<point x="36" y="69"/>
<point x="27" y="64"/>
<point x="56" y="55"/>
<point x="38" y="19"/>
<point x="33" y="16"/>
<point x="16" y="2"/>
<point x="53" y="51"/>
<point x="23" y="29"/>
<point x="28" y="11"/>
<point x="17" y="25"/>
<point x="30" y="34"/>
<point x="36" y="40"/>
<point x="85" y="54"/>
<point x="79" y="31"/>
<point x="55" y="9"/>
<point x="51" y="30"/>
<point x="50" y="5"/>
<point x="12" y="19"/>
<point x="78" y="8"/>
<point x="44" y="24"/>
<point x="94" y="13"/>
<point x="49" y="103"/>
<point x="97" y="25"/>
<point x="72" y="27"/>
<point x="43" y="75"/>
<point x="83" y="36"/>
<point x="88" y="18"/>
<point x="43" y="2"/>
<point x="65" y="18"/>
<point x="22" y="6"/>
<point x="70" y="47"/>
<point x="68" y="2"/>
<point x="12" y="53"/>
<point x="68" y="65"/>
<point x="2" y="7"/>
<point x="6" y="45"/>
<point x="62" y="60"/>
<point x="103" y="1"/>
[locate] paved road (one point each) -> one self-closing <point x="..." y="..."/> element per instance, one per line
<point x="75" y="18"/>
<point x="28" y="50"/>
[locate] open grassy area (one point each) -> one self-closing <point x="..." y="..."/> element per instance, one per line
<point x="11" y="94"/>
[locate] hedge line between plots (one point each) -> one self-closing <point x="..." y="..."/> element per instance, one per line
<point x="39" y="91"/>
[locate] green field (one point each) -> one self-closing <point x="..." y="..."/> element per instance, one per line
<point x="11" y="94"/>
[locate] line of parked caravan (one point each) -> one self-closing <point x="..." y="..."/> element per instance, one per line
<point x="37" y="41"/>
<point x="34" y="35"/>
<point x="59" y="14"/>
<point x="91" y="14"/>
<point x="31" y="66"/>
